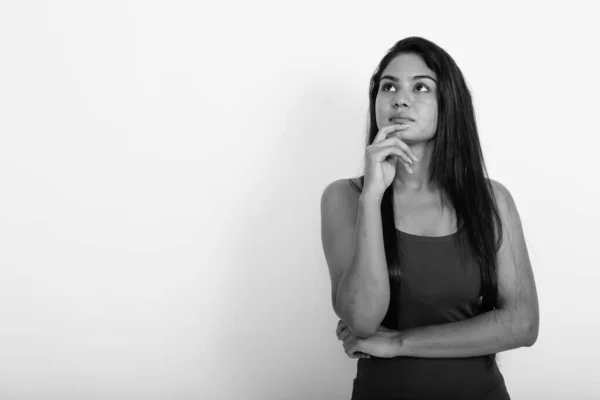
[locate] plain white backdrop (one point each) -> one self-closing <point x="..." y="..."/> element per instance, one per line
<point x="161" y="167"/>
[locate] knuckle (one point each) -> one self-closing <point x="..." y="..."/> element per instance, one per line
<point x="400" y="142"/>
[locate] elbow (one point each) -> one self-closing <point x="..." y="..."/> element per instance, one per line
<point x="531" y="335"/>
<point x="363" y="323"/>
<point x="524" y="326"/>
<point x="531" y="331"/>
<point x="358" y="324"/>
<point x="362" y="330"/>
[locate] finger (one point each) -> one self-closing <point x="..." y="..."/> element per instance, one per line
<point x="386" y="130"/>
<point x="385" y="151"/>
<point x="355" y="354"/>
<point x="352" y="347"/>
<point x="345" y="334"/>
<point x="340" y="326"/>
<point x="400" y="156"/>
<point x="399" y="143"/>
<point x="348" y="343"/>
<point x="339" y="331"/>
<point x="381" y="150"/>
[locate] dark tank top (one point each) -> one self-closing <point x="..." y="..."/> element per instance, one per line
<point x="440" y="284"/>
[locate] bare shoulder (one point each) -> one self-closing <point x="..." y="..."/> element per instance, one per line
<point x="500" y="191"/>
<point x="505" y="201"/>
<point x="513" y="238"/>
<point x="339" y="203"/>
<point x="341" y="192"/>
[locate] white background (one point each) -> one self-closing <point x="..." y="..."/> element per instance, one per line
<point x="161" y="167"/>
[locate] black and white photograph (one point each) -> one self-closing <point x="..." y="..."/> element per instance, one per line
<point x="382" y="200"/>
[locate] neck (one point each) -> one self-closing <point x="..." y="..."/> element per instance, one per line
<point x="418" y="182"/>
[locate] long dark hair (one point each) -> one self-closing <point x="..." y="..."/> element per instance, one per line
<point x="457" y="168"/>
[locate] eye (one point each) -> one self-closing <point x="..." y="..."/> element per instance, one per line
<point x="422" y="85"/>
<point x="386" y="85"/>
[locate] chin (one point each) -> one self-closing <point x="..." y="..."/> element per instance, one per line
<point x="407" y="134"/>
<point x="412" y="138"/>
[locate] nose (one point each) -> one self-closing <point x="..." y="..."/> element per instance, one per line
<point x="402" y="98"/>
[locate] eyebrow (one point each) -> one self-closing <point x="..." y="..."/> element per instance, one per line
<point x="393" y="78"/>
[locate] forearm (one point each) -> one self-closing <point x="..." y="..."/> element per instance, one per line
<point x="491" y="332"/>
<point x="363" y="293"/>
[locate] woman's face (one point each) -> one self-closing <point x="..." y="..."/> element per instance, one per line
<point x="408" y="92"/>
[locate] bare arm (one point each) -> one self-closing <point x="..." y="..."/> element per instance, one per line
<point x="364" y="290"/>
<point x="515" y="323"/>
<point x="352" y="237"/>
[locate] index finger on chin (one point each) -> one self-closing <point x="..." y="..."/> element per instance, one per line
<point x="383" y="132"/>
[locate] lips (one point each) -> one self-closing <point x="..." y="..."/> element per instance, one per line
<point x="401" y="120"/>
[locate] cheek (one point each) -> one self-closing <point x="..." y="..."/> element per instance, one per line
<point x="379" y="105"/>
<point x="428" y="111"/>
<point x="380" y="112"/>
<point x="427" y="102"/>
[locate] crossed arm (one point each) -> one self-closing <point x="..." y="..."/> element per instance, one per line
<point x="514" y="323"/>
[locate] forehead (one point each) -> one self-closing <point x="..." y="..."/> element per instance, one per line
<point x="407" y="65"/>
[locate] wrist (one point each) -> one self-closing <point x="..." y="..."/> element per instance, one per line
<point x="370" y="198"/>
<point x="397" y="344"/>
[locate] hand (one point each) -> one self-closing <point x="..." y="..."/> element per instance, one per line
<point x="343" y="333"/>
<point x="382" y="344"/>
<point x="381" y="157"/>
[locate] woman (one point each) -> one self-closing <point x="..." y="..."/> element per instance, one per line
<point x="429" y="269"/>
